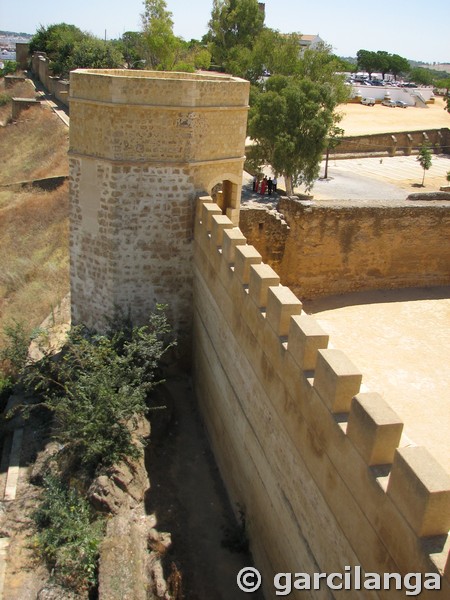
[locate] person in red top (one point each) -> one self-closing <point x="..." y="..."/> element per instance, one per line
<point x="263" y="186"/>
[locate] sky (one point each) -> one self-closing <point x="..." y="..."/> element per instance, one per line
<point x="415" y="29"/>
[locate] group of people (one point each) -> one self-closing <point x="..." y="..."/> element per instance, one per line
<point x="267" y="184"/>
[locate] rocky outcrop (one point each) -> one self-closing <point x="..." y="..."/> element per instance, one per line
<point x="130" y="555"/>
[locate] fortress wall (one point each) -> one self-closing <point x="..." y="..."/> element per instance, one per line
<point x="336" y="249"/>
<point x="316" y="465"/>
<point x="402" y="142"/>
<point x="268" y="232"/>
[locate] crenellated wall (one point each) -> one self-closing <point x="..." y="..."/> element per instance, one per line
<point x="393" y="144"/>
<point x="319" y="467"/>
<point x="58" y="87"/>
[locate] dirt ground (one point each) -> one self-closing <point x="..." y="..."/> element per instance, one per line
<point x="359" y="119"/>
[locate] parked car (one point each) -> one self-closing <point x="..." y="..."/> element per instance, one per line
<point x="390" y="103"/>
<point x="368" y="101"/>
<point x="401" y="104"/>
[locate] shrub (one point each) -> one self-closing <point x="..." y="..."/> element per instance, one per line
<point x="14" y="355"/>
<point x="68" y="535"/>
<point x="99" y="387"/>
<point x="5" y="99"/>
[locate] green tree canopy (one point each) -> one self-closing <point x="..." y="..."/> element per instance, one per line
<point x="93" y="53"/>
<point x="398" y="65"/>
<point x="160" y="45"/>
<point x="233" y="28"/>
<point x="382" y="62"/>
<point x="68" y="48"/>
<point x="289" y="123"/>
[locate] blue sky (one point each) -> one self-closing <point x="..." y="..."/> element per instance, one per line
<point x="415" y="29"/>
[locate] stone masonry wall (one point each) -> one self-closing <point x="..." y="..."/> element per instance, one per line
<point x="318" y="467"/>
<point x="392" y="144"/>
<point x="333" y="249"/>
<point x="143" y="145"/>
<point x="268" y="231"/>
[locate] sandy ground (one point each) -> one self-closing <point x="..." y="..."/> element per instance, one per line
<point x="399" y="341"/>
<point x="359" y="119"/>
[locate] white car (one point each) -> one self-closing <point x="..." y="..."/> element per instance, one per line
<point x="390" y="103"/>
<point x="368" y="101"/>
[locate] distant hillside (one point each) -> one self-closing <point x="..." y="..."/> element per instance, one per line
<point x="15" y="34"/>
<point x="34" y="256"/>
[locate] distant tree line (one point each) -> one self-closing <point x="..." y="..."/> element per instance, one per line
<point x="294" y="92"/>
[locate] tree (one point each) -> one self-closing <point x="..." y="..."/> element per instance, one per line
<point x="289" y="123"/>
<point x="382" y="62"/>
<point x="425" y="159"/>
<point x="93" y="53"/>
<point x="398" y="65"/>
<point x="333" y="140"/>
<point x="366" y="61"/>
<point x="131" y="45"/>
<point x="160" y="46"/>
<point x="233" y="24"/>
<point x="68" y="48"/>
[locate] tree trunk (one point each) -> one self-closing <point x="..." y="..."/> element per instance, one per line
<point x="325" y="176"/>
<point x="289" y="186"/>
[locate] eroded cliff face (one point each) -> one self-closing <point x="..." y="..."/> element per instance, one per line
<point x="333" y="248"/>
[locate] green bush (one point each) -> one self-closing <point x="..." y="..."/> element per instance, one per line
<point x="14" y="355"/>
<point x="69" y="535"/>
<point x="9" y="67"/>
<point x="99" y="387"/>
<point x="5" y="99"/>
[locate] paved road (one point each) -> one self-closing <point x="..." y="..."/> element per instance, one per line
<point x="371" y="179"/>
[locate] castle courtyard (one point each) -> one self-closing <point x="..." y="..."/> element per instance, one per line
<point x="399" y="339"/>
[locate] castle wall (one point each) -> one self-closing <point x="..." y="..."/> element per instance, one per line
<point x="142" y="145"/>
<point x="318" y="467"/>
<point x="268" y="232"/>
<point x="392" y="144"/>
<point x="335" y="249"/>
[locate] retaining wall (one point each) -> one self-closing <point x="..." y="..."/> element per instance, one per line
<point x="394" y="144"/>
<point x="336" y="249"/>
<point x="317" y="466"/>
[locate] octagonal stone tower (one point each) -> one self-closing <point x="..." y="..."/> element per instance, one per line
<point x="143" y="146"/>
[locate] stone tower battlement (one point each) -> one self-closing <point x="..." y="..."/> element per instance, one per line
<point x="143" y="144"/>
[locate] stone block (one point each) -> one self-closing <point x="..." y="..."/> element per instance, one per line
<point x="374" y="428"/>
<point x="282" y="303"/>
<point x="201" y="200"/>
<point x="305" y="338"/>
<point x="262" y="277"/>
<point x="208" y="210"/>
<point x="233" y="215"/>
<point x="230" y="240"/>
<point x="219" y="224"/>
<point x="420" y="488"/>
<point x="244" y="257"/>
<point x="336" y="380"/>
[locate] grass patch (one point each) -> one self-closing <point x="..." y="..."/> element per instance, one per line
<point x="33" y="148"/>
<point x="34" y="255"/>
<point x="69" y="535"/>
<point x="19" y="90"/>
